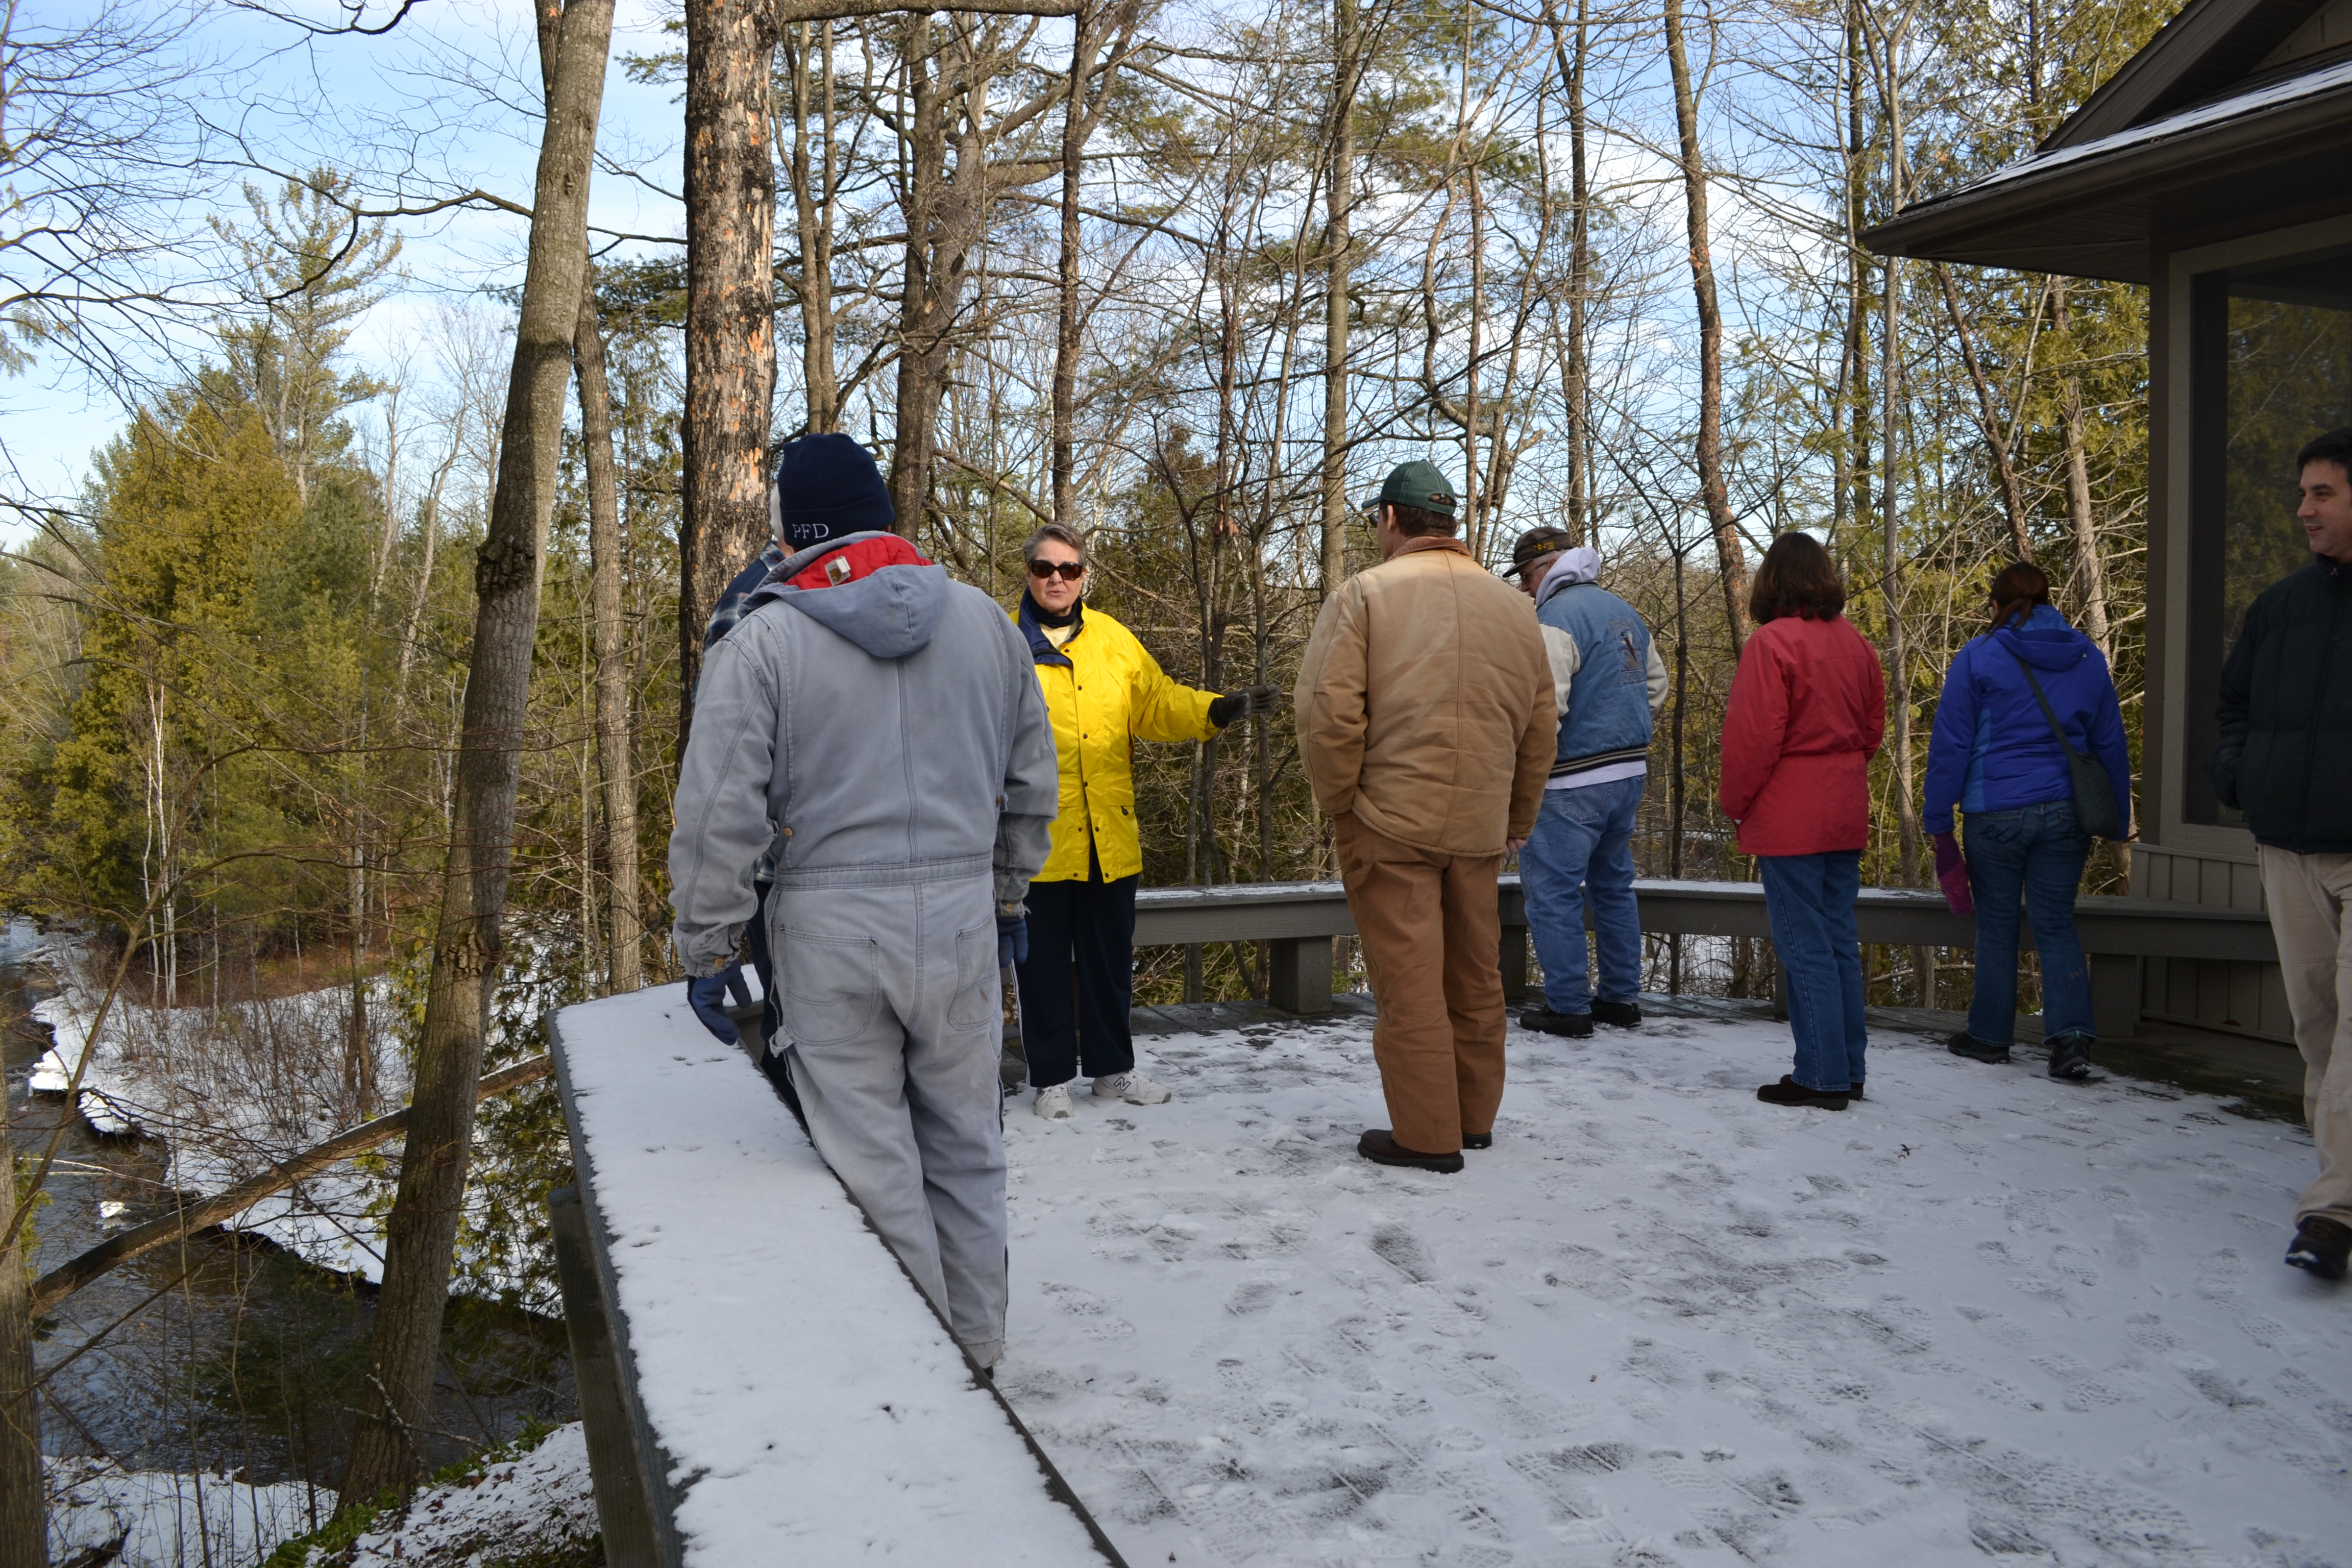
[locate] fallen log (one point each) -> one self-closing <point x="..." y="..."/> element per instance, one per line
<point x="165" y="1229"/>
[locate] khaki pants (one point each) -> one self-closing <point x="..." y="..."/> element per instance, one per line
<point x="1433" y="946"/>
<point x="2307" y="894"/>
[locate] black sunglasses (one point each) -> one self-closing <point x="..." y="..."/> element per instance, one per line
<point x="1071" y="571"/>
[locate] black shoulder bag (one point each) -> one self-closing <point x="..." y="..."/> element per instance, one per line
<point x="2094" y="795"/>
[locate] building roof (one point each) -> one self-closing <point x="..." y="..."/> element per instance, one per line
<point x="2236" y="118"/>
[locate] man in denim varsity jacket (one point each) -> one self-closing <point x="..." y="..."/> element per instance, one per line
<point x="1609" y="681"/>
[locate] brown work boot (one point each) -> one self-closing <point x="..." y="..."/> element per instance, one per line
<point x="1380" y="1147"/>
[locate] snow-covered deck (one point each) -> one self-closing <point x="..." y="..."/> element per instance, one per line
<point x="1981" y="1313"/>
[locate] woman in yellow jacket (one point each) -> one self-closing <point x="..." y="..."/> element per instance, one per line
<point x="1105" y="692"/>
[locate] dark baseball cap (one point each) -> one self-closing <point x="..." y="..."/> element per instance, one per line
<point x="1415" y="484"/>
<point x="1534" y="545"/>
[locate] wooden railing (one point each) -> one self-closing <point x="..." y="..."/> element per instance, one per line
<point x="1298" y="920"/>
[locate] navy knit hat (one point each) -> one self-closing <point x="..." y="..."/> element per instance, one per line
<point x="826" y="487"/>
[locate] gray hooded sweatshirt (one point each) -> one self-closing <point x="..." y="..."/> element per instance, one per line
<point x="886" y="730"/>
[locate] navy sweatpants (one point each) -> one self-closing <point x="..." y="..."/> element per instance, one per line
<point x="1079" y="981"/>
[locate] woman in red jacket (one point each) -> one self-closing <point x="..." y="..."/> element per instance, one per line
<point x="1807" y="710"/>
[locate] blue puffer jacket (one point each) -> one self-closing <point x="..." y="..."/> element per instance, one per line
<point x="1992" y="748"/>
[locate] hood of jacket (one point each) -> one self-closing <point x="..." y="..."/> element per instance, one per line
<point x="1582" y="564"/>
<point x="890" y="612"/>
<point x="2046" y="642"/>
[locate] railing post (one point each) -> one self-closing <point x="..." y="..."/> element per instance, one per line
<point x="613" y="1473"/>
<point x="1514" y="962"/>
<point x="1299" y="973"/>
<point x="2115" y="994"/>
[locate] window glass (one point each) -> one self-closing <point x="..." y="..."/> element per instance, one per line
<point x="2270" y="367"/>
<point x="2290" y="378"/>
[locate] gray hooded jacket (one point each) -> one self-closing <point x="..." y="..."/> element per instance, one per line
<point x="888" y="729"/>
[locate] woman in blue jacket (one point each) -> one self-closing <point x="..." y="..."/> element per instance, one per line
<point x="1994" y="757"/>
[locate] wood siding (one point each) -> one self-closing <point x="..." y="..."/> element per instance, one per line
<point x="2240" y="998"/>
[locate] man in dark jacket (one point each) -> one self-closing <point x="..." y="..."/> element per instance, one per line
<point x="2285" y="760"/>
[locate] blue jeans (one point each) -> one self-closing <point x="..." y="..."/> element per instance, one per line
<point x="2035" y="852"/>
<point x="1810" y="900"/>
<point x="1580" y="857"/>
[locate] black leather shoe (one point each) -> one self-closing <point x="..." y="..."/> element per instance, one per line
<point x="2321" y="1246"/>
<point x="1477" y="1139"/>
<point x="1853" y="1090"/>
<point x="1789" y="1091"/>
<point x="1575" y="1026"/>
<point x="1380" y="1147"/>
<point x="1966" y="1045"/>
<point x="1617" y="1015"/>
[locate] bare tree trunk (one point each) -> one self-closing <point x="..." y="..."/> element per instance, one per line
<point x="1988" y="420"/>
<point x="1731" y="562"/>
<point x="1078" y="124"/>
<point x="1579" y="283"/>
<point x="2090" y="572"/>
<point x="616" y="772"/>
<point x="922" y="339"/>
<point x="730" y="326"/>
<point x="1890" y="392"/>
<point x="421" y="1231"/>
<point x="24" y="1513"/>
<point x="1338" y="198"/>
<point x="1853" y="499"/>
<point x="814" y="185"/>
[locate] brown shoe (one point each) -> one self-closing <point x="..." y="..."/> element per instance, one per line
<point x="1380" y="1147"/>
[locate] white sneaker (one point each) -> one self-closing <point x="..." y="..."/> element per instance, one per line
<point x="1131" y="1087"/>
<point x="1053" y="1103"/>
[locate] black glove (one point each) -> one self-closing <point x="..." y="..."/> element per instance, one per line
<point x="1012" y="940"/>
<point x="1238" y="705"/>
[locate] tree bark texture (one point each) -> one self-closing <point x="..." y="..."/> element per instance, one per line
<point x="616" y="774"/>
<point x="1079" y="114"/>
<point x="808" y="50"/>
<point x="24" y="1513"/>
<point x="1890" y="392"/>
<point x="422" y="1230"/>
<point x="1731" y="560"/>
<point x="2090" y="572"/>
<point x="1338" y="198"/>
<point x="935" y="203"/>
<point x="730" y="319"/>
<point x="1580" y="281"/>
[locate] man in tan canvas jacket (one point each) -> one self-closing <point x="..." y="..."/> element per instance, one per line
<point x="1426" y="719"/>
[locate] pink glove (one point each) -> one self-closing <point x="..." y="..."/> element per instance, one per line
<point x="1952" y="874"/>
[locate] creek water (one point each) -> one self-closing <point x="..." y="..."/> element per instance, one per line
<point x="225" y="1354"/>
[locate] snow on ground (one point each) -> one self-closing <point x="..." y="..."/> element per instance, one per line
<point x="229" y="1097"/>
<point x="1661" y="1323"/>
<point x="538" y="1506"/>
<point x="167" y="1520"/>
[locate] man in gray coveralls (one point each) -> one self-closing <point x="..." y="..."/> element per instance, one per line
<point x="879" y="731"/>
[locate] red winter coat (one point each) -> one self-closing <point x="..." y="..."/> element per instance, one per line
<point x="1807" y="710"/>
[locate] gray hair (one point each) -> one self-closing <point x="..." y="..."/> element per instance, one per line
<point x="1060" y="533"/>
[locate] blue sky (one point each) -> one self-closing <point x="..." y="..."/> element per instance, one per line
<point x="429" y="109"/>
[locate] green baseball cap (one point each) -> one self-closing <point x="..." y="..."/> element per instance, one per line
<point x="1415" y="484"/>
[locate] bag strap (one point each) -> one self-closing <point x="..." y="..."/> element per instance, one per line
<point x="2056" y="728"/>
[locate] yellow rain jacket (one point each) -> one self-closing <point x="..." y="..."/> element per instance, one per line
<point x="1105" y="692"/>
